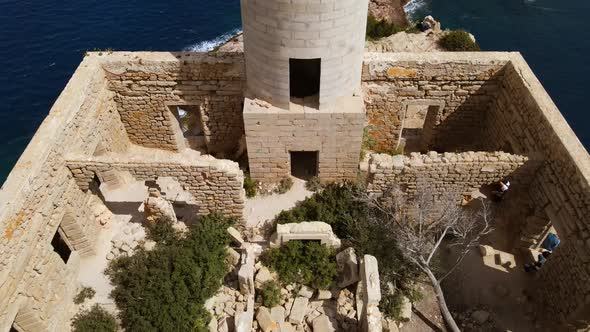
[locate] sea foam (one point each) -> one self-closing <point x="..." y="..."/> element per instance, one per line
<point x="208" y="45"/>
<point x="414" y="6"/>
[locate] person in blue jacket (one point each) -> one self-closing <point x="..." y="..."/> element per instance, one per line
<point x="551" y="242"/>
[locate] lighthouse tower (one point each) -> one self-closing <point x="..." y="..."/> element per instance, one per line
<point x="303" y="111"/>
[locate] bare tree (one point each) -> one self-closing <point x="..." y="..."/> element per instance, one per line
<point x="421" y="222"/>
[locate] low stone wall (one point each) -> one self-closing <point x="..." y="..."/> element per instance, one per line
<point x="459" y="85"/>
<point x="215" y="184"/>
<point x="457" y="173"/>
<point x="146" y="85"/>
<point x="40" y="198"/>
<point x="523" y="119"/>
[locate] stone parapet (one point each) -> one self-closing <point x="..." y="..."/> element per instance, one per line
<point x="457" y="173"/>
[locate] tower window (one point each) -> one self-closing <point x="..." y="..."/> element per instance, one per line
<point x="304" y="77"/>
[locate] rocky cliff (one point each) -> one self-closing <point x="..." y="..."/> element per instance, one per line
<point x="389" y="10"/>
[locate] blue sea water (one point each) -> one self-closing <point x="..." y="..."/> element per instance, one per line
<point x="43" y="41"/>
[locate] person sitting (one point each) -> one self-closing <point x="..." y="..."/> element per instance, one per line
<point x="536" y="266"/>
<point x="504" y="186"/>
<point x="551" y="242"/>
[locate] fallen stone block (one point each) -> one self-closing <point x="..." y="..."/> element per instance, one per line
<point x="486" y="250"/>
<point x="235" y="235"/>
<point x="348" y="263"/>
<point x="324" y="294"/>
<point x="298" y="310"/>
<point x="262" y="276"/>
<point x="323" y="324"/>
<point x="406" y="309"/>
<point x="265" y="320"/>
<point x="306" y="291"/>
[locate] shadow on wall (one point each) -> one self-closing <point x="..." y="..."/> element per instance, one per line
<point x="462" y="130"/>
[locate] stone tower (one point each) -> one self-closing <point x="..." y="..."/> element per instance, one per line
<point x="303" y="112"/>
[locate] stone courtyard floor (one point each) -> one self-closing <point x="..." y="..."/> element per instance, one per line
<point x="263" y="208"/>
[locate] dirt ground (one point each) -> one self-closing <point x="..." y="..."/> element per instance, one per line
<point x="493" y="284"/>
<point x="426" y="314"/>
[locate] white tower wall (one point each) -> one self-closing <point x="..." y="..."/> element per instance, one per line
<point x="277" y="30"/>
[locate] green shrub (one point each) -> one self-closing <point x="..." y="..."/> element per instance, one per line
<point x="458" y="40"/>
<point x="391" y="305"/>
<point x="377" y="29"/>
<point x="165" y="289"/>
<point x="304" y="262"/>
<point x="250" y="186"/>
<point x="84" y="294"/>
<point x="94" y="320"/>
<point x="271" y="294"/>
<point x="162" y="232"/>
<point x="285" y="185"/>
<point x="334" y="205"/>
<point x="313" y="184"/>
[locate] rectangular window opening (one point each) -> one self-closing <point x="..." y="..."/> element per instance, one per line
<point x="304" y="81"/>
<point x="60" y="246"/>
<point x="191" y="124"/>
<point x="304" y="164"/>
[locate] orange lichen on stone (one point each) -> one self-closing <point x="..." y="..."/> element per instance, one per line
<point x="13" y="225"/>
<point x="401" y="72"/>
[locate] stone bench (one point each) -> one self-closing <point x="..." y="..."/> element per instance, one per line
<point x="306" y="231"/>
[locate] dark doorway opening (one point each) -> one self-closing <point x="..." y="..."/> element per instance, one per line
<point x="304" y="164"/>
<point x="60" y="246"/>
<point x="304" y="79"/>
<point x="418" y="124"/>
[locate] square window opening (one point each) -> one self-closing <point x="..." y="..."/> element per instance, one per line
<point x="304" y="81"/>
<point x="304" y="164"/>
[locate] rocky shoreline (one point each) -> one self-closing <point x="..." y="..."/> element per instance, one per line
<point x="391" y="11"/>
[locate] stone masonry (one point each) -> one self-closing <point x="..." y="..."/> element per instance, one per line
<point x="459" y="86"/>
<point x="276" y="123"/>
<point x="525" y="121"/>
<point x="146" y="85"/>
<point x="272" y="133"/>
<point x="216" y="185"/>
<point x="457" y="173"/>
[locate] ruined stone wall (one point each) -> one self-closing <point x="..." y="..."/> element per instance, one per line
<point x="215" y="184"/>
<point x="455" y="173"/>
<point x="523" y="119"/>
<point x="40" y="196"/>
<point x="462" y="83"/>
<point x="147" y="84"/>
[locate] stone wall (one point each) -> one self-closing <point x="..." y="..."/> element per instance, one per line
<point x="40" y="196"/>
<point x="146" y="85"/>
<point x="523" y="119"/>
<point x="272" y="132"/>
<point x="460" y="85"/>
<point x="216" y="185"/>
<point x="455" y="173"/>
